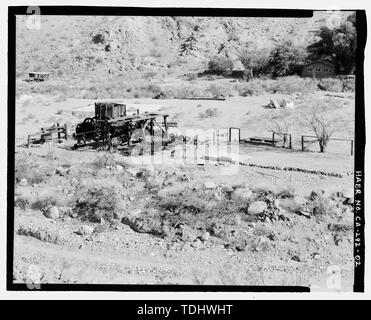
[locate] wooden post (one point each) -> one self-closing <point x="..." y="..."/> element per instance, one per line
<point x="351" y="147"/>
<point x="290" y="141"/>
<point x="302" y="143"/>
<point x="152" y="138"/>
<point x="65" y="131"/>
<point x="29" y="141"/>
<point x="58" y="132"/>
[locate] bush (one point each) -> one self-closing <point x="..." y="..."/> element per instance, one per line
<point x="103" y="160"/>
<point x="28" y="171"/>
<point x="335" y="85"/>
<point x="220" y="65"/>
<point x="209" y="113"/>
<point x="322" y="206"/>
<point x="21" y="202"/>
<point x="44" y="201"/>
<point x="338" y="85"/>
<point x="99" y="199"/>
<point x="218" y="91"/>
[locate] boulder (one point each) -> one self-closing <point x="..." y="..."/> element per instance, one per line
<point x="205" y="236"/>
<point x="260" y="244"/>
<point x="85" y="230"/>
<point x="209" y="185"/>
<point x="187" y="234"/>
<point x="61" y="171"/>
<point x="23" y="182"/>
<point x="257" y="207"/>
<point x="196" y="243"/>
<point x="51" y="212"/>
<point x="300" y="200"/>
<point x="119" y="168"/>
<point x="241" y="194"/>
<point x="348" y="193"/>
<point x="134" y="172"/>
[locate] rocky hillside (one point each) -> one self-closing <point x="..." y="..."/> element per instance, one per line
<point x="113" y="45"/>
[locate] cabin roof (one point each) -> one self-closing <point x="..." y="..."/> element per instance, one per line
<point x="325" y="62"/>
<point x="41" y="73"/>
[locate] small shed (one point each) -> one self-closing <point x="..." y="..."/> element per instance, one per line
<point x="38" y="76"/>
<point x="319" y="69"/>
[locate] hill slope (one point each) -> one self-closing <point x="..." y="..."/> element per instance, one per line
<point x="112" y="45"/>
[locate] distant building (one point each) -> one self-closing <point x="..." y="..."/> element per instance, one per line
<point x="319" y="69"/>
<point x="38" y="76"/>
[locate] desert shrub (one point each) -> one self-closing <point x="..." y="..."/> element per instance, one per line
<point x="44" y="201"/>
<point x="21" y="202"/>
<point x="99" y="199"/>
<point x="209" y="113"/>
<point x="220" y="64"/>
<point x="219" y="91"/>
<point x="98" y="38"/>
<point x="59" y="111"/>
<point x="187" y="92"/>
<point x="292" y="84"/>
<point x="150" y="75"/>
<point x="290" y="205"/>
<point x="103" y="160"/>
<point x="196" y="207"/>
<point x="26" y="170"/>
<point x="322" y="206"/>
<point x="335" y="85"/>
<point x="191" y="76"/>
<point x="349" y="85"/>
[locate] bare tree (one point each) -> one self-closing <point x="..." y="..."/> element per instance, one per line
<point x="322" y="128"/>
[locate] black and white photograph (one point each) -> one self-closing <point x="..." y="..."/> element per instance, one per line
<point x="186" y="148"/>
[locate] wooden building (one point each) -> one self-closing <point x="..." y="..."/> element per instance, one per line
<point x="319" y="69"/>
<point x="38" y="76"/>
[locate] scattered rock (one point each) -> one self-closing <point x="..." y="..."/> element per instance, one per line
<point x="85" y="230"/>
<point x="348" y="193"/>
<point x="135" y="213"/>
<point x="51" y="212"/>
<point x="118" y="215"/>
<point x="316" y="255"/>
<point x="141" y="225"/>
<point x="260" y="244"/>
<point x="61" y="171"/>
<point x="101" y="228"/>
<point x="219" y="231"/>
<point x="205" y="236"/>
<point x="196" y="243"/>
<point x="257" y="207"/>
<point x="34" y="274"/>
<point x="303" y="213"/>
<point x="65" y="211"/>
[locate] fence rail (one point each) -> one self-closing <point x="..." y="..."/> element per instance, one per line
<point x="314" y="139"/>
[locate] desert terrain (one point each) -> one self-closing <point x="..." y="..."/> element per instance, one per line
<point x="269" y="216"/>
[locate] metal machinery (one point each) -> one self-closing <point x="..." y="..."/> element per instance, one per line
<point x="111" y="124"/>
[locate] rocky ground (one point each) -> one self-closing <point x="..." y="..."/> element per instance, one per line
<point x="90" y="217"/>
